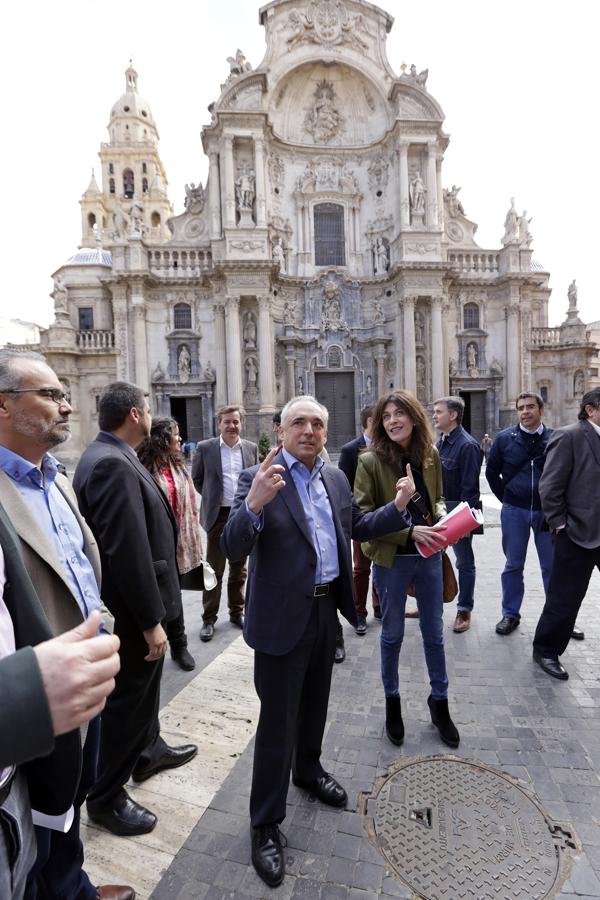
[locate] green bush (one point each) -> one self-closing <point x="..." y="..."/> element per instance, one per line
<point x="264" y="445"/>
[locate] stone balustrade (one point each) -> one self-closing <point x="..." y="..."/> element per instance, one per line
<point x="179" y="263"/>
<point x="475" y="262"/>
<point x="95" y="340"/>
<point x="545" y="337"/>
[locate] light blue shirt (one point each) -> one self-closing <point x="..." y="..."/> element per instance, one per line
<point x="57" y="521"/>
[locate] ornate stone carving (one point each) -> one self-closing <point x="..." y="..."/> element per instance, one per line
<point x="390" y="362"/>
<point x="158" y="374"/>
<point x="251" y="373"/>
<point x="324" y="121"/>
<point x="452" y="204"/>
<point x="60" y="295"/>
<point x="331" y="308"/>
<point x="247" y="246"/>
<point x="525" y="235"/>
<point x="419" y="328"/>
<point x="278" y="365"/>
<point x="378" y="173"/>
<point x="209" y="373"/>
<point x="511" y="226"/>
<point x="249" y="333"/>
<point x="381" y="255"/>
<point x="378" y="313"/>
<point x="329" y="23"/>
<point x="194" y="198"/>
<point x="245" y="188"/>
<point x="279" y="255"/>
<point x="416" y="193"/>
<point x="238" y="64"/>
<point x="136" y="219"/>
<point x="421" y="248"/>
<point x="120" y="224"/>
<point x="418" y="78"/>
<point x="472" y="359"/>
<point x="276" y="170"/>
<point x="578" y="383"/>
<point x="184" y="364"/>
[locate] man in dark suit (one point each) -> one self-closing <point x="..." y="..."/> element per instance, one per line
<point x="361" y="564"/>
<point x="135" y="528"/>
<point x="570" y="494"/>
<point x="295" y="515"/>
<point x="215" y="470"/>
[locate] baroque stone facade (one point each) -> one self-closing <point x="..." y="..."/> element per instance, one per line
<point x="323" y="254"/>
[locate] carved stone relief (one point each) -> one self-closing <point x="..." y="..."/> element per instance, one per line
<point x="324" y="120"/>
<point x="329" y="23"/>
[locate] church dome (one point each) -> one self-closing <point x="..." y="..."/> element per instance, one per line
<point x="130" y="104"/>
<point x="90" y="256"/>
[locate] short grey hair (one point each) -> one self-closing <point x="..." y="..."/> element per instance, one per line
<point x="308" y="398"/>
<point x="453" y="404"/>
<point x="10" y="374"/>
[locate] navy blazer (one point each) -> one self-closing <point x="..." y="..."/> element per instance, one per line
<point x="461" y="458"/>
<point x="348" y="461"/>
<point x="283" y="560"/>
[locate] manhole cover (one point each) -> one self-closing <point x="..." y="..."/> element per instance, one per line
<point x="454" y="828"/>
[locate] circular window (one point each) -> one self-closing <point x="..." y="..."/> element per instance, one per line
<point x="126" y="108"/>
<point x="379" y="193"/>
<point x="144" y="113"/>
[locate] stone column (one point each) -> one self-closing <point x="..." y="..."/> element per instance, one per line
<point x="404" y="201"/>
<point x="214" y="192"/>
<point x="513" y="355"/>
<point x="234" y="351"/>
<point x="266" y="380"/>
<point x="229" y="183"/>
<point x="399" y="348"/>
<point x="290" y="374"/>
<point x="410" y="363"/>
<point x="299" y="218"/>
<point x="437" y="349"/>
<point x="220" y="360"/>
<point x="432" y="189"/>
<point x="119" y="305"/>
<point x="259" y="169"/>
<point x="142" y="378"/>
<point x="380" y="360"/>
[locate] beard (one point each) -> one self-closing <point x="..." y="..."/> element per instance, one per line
<point x="45" y="434"/>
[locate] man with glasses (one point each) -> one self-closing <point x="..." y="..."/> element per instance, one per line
<point x="62" y="560"/>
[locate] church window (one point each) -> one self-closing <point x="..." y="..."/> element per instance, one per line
<point x="544" y="393"/>
<point x="111" y="169"/>
<point x="144" y="169"/>
<point x="330" y="245"/>
<point x="471" y="315"/>
<point x="155" y="219"/>
<point x="86" y="318"/>
<point x="128" y="184"/>
<point x="111" y="185"/>
<point x="182" y="315"/>
<point x="144" y="185"/>
<point x="91" y="220"/>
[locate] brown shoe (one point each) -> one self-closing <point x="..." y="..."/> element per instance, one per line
<point x="462" y="622"/>
<point x="411" y="613"/>
<point x="115" y="892"/>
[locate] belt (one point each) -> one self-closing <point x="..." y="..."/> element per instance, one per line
<point x="6" y="786"/>
<point x="322" y="590"/>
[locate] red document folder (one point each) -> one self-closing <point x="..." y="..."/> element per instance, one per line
<point x="460" y="522"/>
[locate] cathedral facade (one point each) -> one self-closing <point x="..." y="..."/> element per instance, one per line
<point x="323" y="255"/>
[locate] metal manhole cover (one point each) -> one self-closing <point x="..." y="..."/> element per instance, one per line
<point x="455" y="828"/>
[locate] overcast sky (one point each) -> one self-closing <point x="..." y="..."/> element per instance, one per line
<point x="517" y="82"/>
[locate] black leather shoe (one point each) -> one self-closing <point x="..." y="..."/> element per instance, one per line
<point x="551" y="666"/>
<point x="170" y="759"/>
<point x="326" y="789"/>
<point x="340" y="653"/>
<point x="361" y="625"/>
<point x="207" y="631"/>
<point x="237" y="620"/>
<point x="267" y="854"/>
<point x="123" y="817"/>
<point x="183" y="658"/>
<point x="377" y="612"/>
<point x="577" y="634"/>
<point x="507" y="625"/>
<point x="440" y="717"/>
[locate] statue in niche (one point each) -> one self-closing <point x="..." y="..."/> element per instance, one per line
<point x="238" y="64"/>
<point x="578" y="384"/>
<point x="331" y="315"/>
<point x="245" y="188"/>
<point x="572" y="295"/>
<point x="194" y="198"/>
<point x="184" y="364"/>
<point x="323" y="121"/>
<point x="416" y="194"/>
<point x="378" y="173"/>
<point x="120" y="223"/>
<point x="250" y="331"/>
<point x="369" y="386"/>
<point x="472" y="359"/>
<point x="289" y="312"/>
<point x="421" y="372"/>
<point x="60" y="296"/>
<point x="452" y="370"/>
<point x="300" y="385"/>
<point x="378" y="313"/>
<point x="251" y="373"/>
<point x="419" y="327"/>
<point x="381" y="260"/>
<point x="455" y="207"/>
<point x="308" y="179"/>
<point x="511" y="225"/>
<point x="209" y="373"/>
<point x="136" y="218"/>
<point x="158" y="374"/>
<point x="279" y="254"/>
<point x="348" y="180"/>
<point x="525" y="236"/>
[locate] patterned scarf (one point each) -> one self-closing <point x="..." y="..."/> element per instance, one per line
<point x="189" y="544"/>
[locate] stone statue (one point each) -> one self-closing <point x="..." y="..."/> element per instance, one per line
<point x="331" y="314"/>
<point x="578" y="384"/>
<point x="209" y="373"/>
<point x="421" y="371"/>
<point x="417" y="194"/>
<point x="300" y="384"/>
<point x="455" y="207"/>
<point x="378" y="313"/>
<point x="289" y="312"/>
<point x="194" y="198"/>
<point x="60" y="295"/>
<point x="348" y="180"/>
<point x="244" y="189"/>
<point x="250" y="331"/>
<point x="452" y="370"/>
<point x="324" y="120"/>
<point x="136" y="218"/>
<point x="251" y="373"/>
<point x="369" y="386"/>
<point x="471" y="357"/>
<point x="158" y="374"/>
<point x="419" y="327"/>
<point x="120" y="223"/>
<point x="525" y="236"/>
<point x="511" y="225"/>
<point x="496" y="367"/>
<point x="279" y="255"/>
<point x="381" y="257"/>
<point x="238" y="64"/>
<point x="572" y="294"/>
<point x="184" y="364"/>
<point x="419" y="78"/>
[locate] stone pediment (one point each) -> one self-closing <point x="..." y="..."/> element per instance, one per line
<point x="413" y="102"/>
<point x="189" y="228"/>
<point x="243" y="93"/>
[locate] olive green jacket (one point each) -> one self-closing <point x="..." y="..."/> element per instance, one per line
<point x="375" y="485"/>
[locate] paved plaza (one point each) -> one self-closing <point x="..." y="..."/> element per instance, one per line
<point x="510" y="715"/>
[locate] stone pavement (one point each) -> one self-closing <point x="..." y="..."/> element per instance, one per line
<point x="510" y="715"/>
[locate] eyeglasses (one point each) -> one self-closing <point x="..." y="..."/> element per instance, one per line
<point x="50" y="393"/>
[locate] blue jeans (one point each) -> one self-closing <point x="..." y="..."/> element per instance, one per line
<point x="517" y="523"/>
<point x="465" y="563"/>
<point x="426" y="575"/>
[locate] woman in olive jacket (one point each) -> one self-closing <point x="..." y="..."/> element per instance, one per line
<point x="402" y="443"/>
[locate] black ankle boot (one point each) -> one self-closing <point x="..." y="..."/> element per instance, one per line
<point x="440" y="716"/>
<point x="394" y="726"/>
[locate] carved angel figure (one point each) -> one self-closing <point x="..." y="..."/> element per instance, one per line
<point x="453" y="204"/>
<point x="194" y="198"/>
<point x="238" y="64"/>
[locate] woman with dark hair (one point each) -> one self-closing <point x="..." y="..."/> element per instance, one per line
<point x="161" y="454"/>
<point x="402" y="443"/>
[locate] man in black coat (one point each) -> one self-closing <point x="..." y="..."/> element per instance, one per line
<point x="136" y="532"/>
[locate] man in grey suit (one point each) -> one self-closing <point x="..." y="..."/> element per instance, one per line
<point x="570" y="494"/>
<point x="215" y="470"/>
